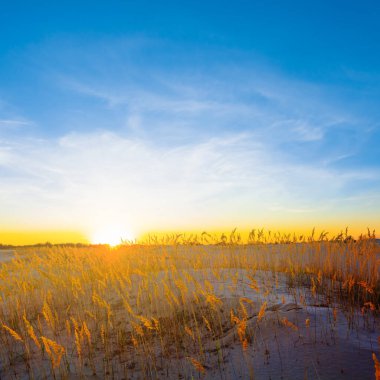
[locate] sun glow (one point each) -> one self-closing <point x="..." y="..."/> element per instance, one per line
<point x="112" y="236"/>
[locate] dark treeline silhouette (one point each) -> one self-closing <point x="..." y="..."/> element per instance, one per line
<point x="44" y="245"/>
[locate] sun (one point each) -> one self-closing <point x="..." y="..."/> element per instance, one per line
<point x="112" y="236"/>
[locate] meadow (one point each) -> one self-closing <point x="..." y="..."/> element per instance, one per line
<point x="267" y="306"/>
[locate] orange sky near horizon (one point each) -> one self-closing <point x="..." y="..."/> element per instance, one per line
<point x="41" y="236"/>
<point x="29" y="237"/>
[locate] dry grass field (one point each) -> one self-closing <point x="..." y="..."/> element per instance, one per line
<point x="200" y="307"/>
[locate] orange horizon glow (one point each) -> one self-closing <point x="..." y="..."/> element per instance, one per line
<point x="24" y="237"/>
<point x="116" y="236"/>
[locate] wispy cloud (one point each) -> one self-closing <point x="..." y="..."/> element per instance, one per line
<point x="12" y="123"/>
<point x="155" y="145"/>
<point x="206" y="96"/>
<point x="11" y="120"/>
<point x="90" y="180"/>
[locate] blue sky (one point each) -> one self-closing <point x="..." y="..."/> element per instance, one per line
<point x="179" y="115"/>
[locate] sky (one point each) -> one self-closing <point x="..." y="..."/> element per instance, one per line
<point x="122" y="117"/>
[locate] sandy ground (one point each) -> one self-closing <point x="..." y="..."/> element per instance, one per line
<point x="6" y="255"/>
<point x="327" y="348"/>
<point x="314" y="343"/>
<point x="316" y="352"/>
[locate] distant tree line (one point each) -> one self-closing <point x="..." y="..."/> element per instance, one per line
<point x="44" y="245"/>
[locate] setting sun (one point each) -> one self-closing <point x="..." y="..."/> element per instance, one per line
<point x="111" y="235"/>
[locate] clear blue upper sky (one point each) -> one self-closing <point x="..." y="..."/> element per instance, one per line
<point x="268" y="108"/>
<point x="315" y="40"/>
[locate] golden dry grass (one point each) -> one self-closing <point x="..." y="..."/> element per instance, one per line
<point x="157" y="310"/>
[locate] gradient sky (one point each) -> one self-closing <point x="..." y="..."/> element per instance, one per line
<point x="132" y="116"/>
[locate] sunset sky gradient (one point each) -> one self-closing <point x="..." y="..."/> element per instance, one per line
<point x="137" y="116"/>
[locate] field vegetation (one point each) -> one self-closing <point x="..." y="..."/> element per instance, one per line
<point x="188" y="307"/>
